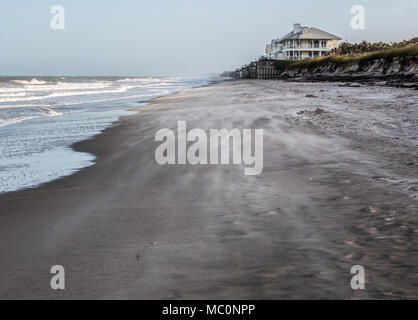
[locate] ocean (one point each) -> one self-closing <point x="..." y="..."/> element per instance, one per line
<point x="41" y="117"/>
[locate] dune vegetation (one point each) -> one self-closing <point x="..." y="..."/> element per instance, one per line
<point x="404" y="56"/>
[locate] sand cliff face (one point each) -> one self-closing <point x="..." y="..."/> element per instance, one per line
<point x="390" y="64"/>
<point x="397" y="66"/>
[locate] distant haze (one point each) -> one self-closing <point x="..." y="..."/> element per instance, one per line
<point x="175" y="37"/>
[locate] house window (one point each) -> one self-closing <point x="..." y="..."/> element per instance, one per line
<point x="323" y="44"/>
<point x="310" y="54"/>
<point x="316" y="44"/>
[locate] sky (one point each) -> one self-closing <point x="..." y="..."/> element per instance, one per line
<point x="175" y="37"/>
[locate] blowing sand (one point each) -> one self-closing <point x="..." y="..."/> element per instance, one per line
<point x="339" y="188"/>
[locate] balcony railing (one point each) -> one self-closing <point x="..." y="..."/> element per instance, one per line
<point x="307" y="48"/>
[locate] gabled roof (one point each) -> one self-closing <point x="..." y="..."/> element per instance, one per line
<point x="311" y="34"/>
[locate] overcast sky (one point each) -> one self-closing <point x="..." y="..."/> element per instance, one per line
<point x="175" y="37"/>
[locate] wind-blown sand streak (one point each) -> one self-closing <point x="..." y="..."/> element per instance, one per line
<point x="337" y="190"/>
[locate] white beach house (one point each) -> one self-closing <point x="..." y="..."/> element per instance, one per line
<point x="302" y="43"/>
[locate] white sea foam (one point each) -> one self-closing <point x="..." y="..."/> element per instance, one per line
<point x="32" y="82"/>
<point x="6" y="122"/>
<point x="64" y="94"/>
<point x="21" y="98"/>
<point x="11" y="94"/>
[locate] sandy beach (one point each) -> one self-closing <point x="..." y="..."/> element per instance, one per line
<point x="339" y="188"/>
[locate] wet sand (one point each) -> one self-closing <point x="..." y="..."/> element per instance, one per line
<point x="339" y="188"/>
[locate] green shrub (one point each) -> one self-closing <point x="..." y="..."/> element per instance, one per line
<point x="282" y="65"/>
<point x="362" y="60"/>
<point x="347" y="48"/>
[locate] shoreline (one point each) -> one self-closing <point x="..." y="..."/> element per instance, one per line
<point x="72" y="147"/>
<point x="129" y="228"/>
<point x="82" y="146"/>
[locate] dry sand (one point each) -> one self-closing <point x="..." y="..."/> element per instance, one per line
<point x="338" y="189"/>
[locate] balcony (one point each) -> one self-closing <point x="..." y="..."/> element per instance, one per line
<point x="321" y="46"/>
<point x="306" y="48"/>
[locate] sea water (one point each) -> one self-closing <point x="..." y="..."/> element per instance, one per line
<point x="40" y="118"/>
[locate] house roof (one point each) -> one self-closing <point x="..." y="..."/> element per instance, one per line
<point x="311" y="34"/>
